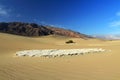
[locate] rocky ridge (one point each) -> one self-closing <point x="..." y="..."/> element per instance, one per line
<point x="34" y="30"/>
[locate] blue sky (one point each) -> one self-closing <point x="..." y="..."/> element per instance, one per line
<point x="85" y="16"/>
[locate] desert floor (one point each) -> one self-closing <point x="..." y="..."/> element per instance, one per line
<point x="97" y="66"/>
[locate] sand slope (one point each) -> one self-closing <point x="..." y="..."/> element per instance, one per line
<point x="104" y="66"/>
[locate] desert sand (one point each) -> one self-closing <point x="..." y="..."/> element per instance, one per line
<point x="103" y="66"/>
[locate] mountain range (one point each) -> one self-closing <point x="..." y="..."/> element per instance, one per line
<point x="108" y="36"/>
<point x="35" y="30"/>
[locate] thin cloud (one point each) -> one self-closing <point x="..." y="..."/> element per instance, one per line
<point x="118" y="13"/>
<point x="18" y="15"/>
<point x="45" y="23"/>
<point x="115" y="24"/>
<point x="3" y="11"/>
<point x="39" y="21"/>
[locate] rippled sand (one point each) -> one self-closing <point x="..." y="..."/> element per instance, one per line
<point x="104" y="66"/>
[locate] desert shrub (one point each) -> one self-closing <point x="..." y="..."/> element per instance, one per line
<point x="69" y="41"/>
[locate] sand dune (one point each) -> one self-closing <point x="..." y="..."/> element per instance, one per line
<point x="104" y="66"/>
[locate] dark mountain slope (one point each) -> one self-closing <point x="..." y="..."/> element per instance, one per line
<point x="34" y="30"/>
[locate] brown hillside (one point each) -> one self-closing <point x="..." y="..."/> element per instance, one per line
<point x="33" y="30"/>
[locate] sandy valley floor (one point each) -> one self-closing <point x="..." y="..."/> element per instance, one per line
<point x="102" y="66"/>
